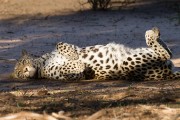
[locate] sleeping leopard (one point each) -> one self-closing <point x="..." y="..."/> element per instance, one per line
<point x="62" y="64"/>
<point x="103" y="62"/>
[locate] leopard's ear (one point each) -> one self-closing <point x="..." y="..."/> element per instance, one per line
<point x="24" y="52"/>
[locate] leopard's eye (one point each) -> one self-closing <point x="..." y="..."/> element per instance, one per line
<point x="19" y="73"/>
<point x="24" y="61"/>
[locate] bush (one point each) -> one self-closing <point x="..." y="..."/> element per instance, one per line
<point x="99" y="4"/>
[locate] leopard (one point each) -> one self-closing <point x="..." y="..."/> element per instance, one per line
<point x="61" y="64"/>
<point x="115" y="61"/>
<point x="105" y="62"/>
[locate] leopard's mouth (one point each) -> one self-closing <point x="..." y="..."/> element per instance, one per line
<point x="30" y="72"/>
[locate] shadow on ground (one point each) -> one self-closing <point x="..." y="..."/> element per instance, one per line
<point x="86" y="97"/>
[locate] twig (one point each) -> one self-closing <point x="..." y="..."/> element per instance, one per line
<point x="97" y="115"/>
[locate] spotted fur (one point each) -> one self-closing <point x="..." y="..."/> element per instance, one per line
<point x="115" y="61"/>
<point x="60" y="64"/>
<point x="106" y="62"/>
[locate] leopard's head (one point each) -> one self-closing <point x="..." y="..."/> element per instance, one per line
<point x="25" y="67"/>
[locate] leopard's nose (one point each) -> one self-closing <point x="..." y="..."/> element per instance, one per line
<point x="26" y="69"/>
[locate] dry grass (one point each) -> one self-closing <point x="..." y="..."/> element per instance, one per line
<point x="92" y="100"/>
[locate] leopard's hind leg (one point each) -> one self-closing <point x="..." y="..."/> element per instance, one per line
<point x="160" y="48"/>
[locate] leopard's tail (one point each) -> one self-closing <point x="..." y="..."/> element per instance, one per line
<point x="174" y="76"/>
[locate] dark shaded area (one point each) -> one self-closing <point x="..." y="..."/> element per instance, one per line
<point x="85" y="98"/>
<point x="125" y="4"/>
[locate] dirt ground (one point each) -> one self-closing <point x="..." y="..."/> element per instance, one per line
<point x="37" y="25"/>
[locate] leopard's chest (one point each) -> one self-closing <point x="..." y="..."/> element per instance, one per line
<point x="56" y="60"/>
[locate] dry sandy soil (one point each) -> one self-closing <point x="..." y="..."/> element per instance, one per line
<point x="37" y="25"/>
